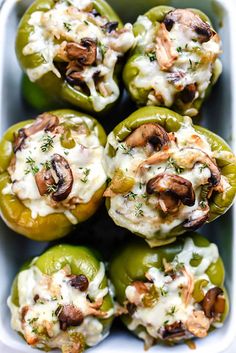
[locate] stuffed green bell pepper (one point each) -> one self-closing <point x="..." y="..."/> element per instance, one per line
<point x="51" y="173"/>
<point x="167" y="175"/>
<point x="73" y="50"/>
<point x="171" y="293"/>
<point x="175" y="62"/>
<point x="61" y="300"/>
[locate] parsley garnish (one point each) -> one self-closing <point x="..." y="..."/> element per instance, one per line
<point x="203" y="167"/>
<point x="86" y="172"/>
<point x="32" y="166"/>
<point x="163" y="291"/>
<point x="47" y="143"/>
<point x="47" y="165"/>
<point x="86" y="22"/>
<point x="171" y="311"/>
<point x="152" y="56"/>
<point x="131" y="196"/>
<point x="179" y="50"/>
<point x="171" y="163"/>
<point x="52" y="188"/>
<point x="203" y="203"/>
<point x="138" y="210"/>
<point x="126" y="150"/>
<point x="67" y="26"/>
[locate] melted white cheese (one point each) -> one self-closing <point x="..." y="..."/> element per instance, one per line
<point x="191" y="64"/>
<point x="139" y="213"/>
<point x="53" y="291"/>
<point x="66" y="22"/>
<point x="162" y="313"/>
<point x="85" y="157"/>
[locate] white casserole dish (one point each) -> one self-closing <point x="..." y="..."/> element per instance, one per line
<point x="219" y="115"/>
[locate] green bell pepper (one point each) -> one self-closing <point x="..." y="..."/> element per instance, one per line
<point x="14" y="212"/>
<point x="57" y="90"/>
<point x="132" y="71"/>
<point x="146" y="269"/>
<point x="219" y="202"/>
<point x="81" y="264"/>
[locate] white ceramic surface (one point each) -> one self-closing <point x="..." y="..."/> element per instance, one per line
<point x="219" y="115"/>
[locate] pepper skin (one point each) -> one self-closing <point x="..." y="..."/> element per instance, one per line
<point x="218" y="203"/>
<point x="126" y="270"/>
<point x="57" y="90"/>
<point x="131" y="71"/>
<point x="79" y="261"/>
<point x="17" y="216"/>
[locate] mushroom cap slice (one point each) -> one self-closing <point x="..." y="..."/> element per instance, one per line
<point x="65" y="177"/>
<point x="190" y="19"/>
<point x="44" y="121"/>
<point x="149" y="133"/>
<point x="172" y="184"/>
<point x="213" y="302"/>
<point x="69" y="315"/>
<point x="85" y="52"/>
<point x="43" y="180"/>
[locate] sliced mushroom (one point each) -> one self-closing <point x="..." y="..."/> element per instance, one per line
<point x="44" y="121"/>
<point x="131" y="307"/>
<point x="65" y="176"/>
<point x="194" y="223"/>
<point x="174" y="330"/>
<point x="79" y="282"/>
<point x="165" y="52"/>
<point x="172" y="185"/>
<point x="44" y="180"/>
<point x="69" y="315"/>
<point x="150" y="133"/>
<point x="188" y="18"/>
<point x="190" y="156"/>
<point x="213" y="302"/>
<point x="189" y="93"/>
<point x="85" y="52"/>
<point x="110" y="26"/>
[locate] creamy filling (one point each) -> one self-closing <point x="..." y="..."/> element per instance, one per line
<point x="43" y="297"/>
<point x="139" y="211"/>
<point x="70" y="22"/>
<point x="195" y="64"/>
<point x="84" y="159"/>
<point x="169" y="297"/>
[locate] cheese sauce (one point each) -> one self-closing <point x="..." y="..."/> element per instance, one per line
<point x="195" y="64"/>
<point x="42" y="295"/>
<point x="171" y="306"/>
<point x="138" y="211"/>
<point x="84" y="159"/>
<point x="69" y="22"/>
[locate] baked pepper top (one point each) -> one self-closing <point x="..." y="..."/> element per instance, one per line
<point x="167" y="175"/>
<point x="172" y="293"/>
<point x="52" y="167"/>
<point x="175" y="60"/>
<point x="61" y="300"/>
<point x="72" y="48"/>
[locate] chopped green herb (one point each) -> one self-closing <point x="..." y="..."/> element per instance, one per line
<point x="125" y="150"/>
<point x="179" y="50"/>
<point x="66" y="153"/>
<point x="163" y="291"/>
<point x="67" y="26"/>
<point x="138" y="210"/>
<point x="86" y="172"/>
<point x="141" y="185"/>
<point x="44" y="60"/>
<point x="152" y="56"/>
<point x="86" y="22"/>
<point x="52" y="188"/>
<point x="171" y="311"/>
<point x="202" y="167"/>
<point x="31" y="321"/>
<point x="47" y="143"/>
<point x="171" y="163"/>
<point x="47" y="165"/>
<point x="165" y="322"/>
<point x="178" y="266"/>
<point x="32" y="166"/>
<point x="131" y="195"/>
<point x="103" y="49"/>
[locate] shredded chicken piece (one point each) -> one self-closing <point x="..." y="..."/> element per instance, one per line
<point x="198" y="324"/>
<point x="156" y="158"/>
<point x="188" y="289"/>
<point x="165" y="53"/>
